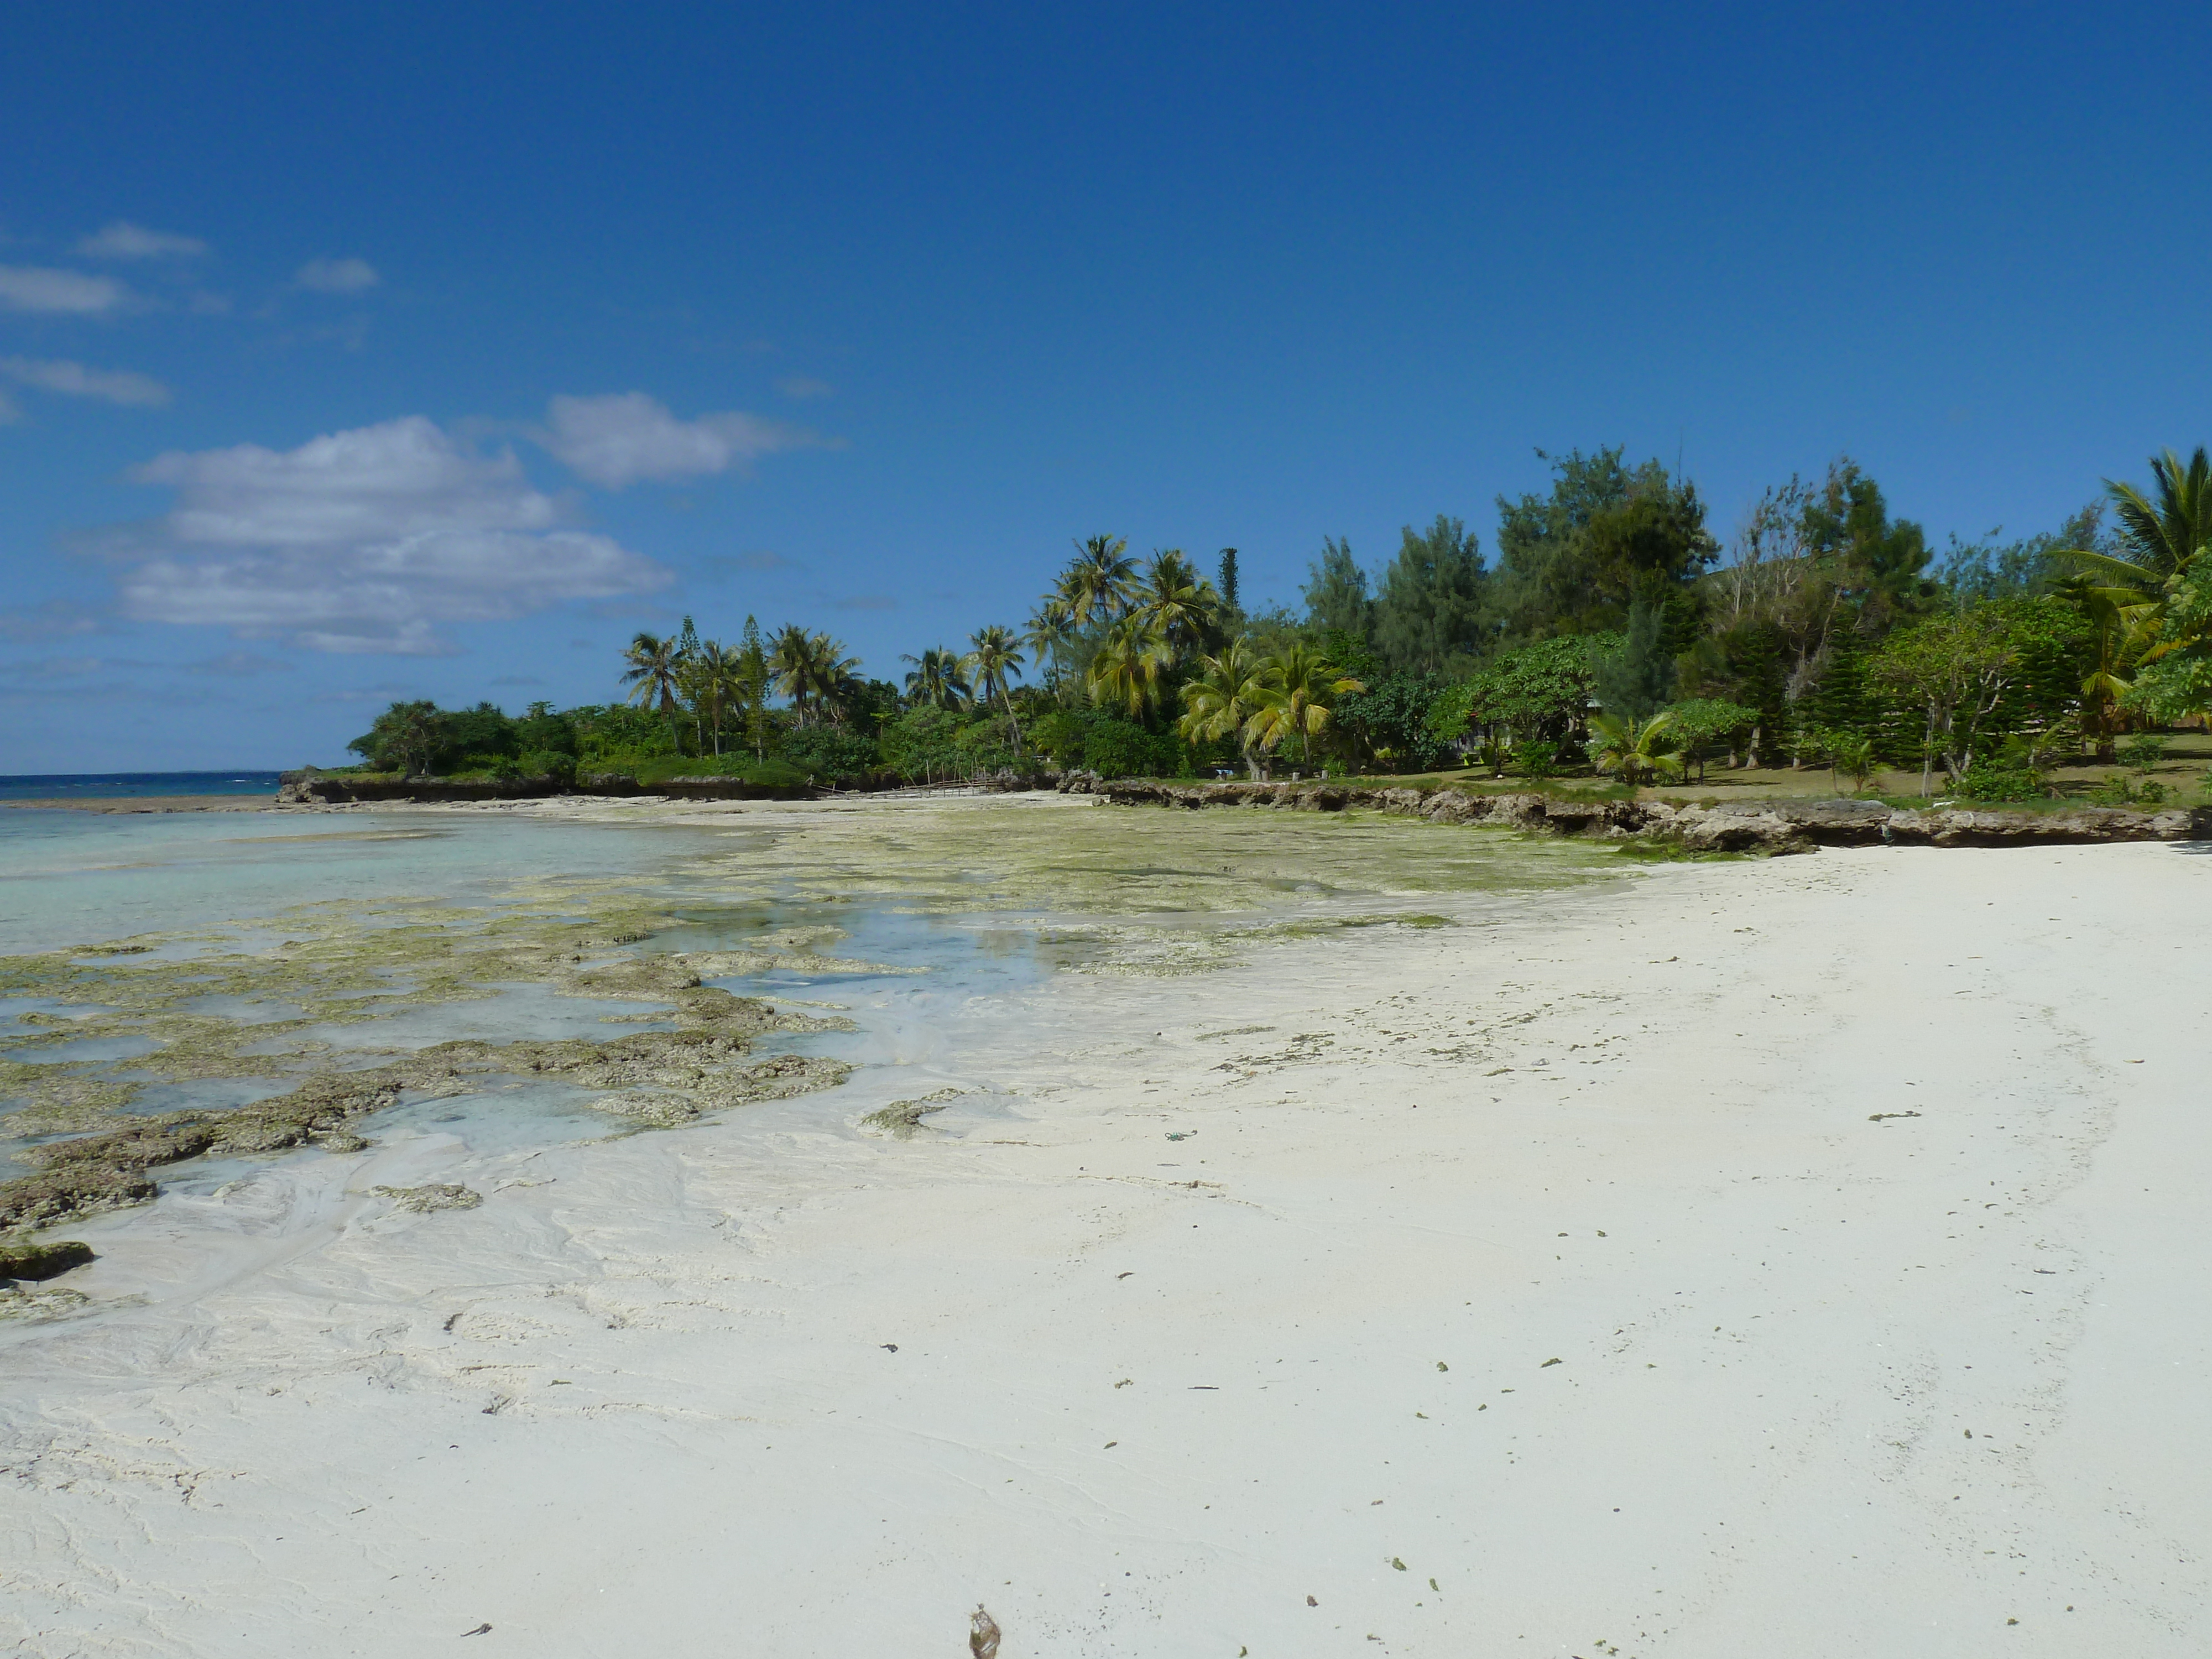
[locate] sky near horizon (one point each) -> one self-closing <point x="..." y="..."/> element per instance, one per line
<point x="431" y="351"/>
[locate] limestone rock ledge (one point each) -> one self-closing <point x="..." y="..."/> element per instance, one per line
<point x="1767" y="826"/>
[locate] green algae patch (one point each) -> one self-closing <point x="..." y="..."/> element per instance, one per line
<point x="1130" y="890"/>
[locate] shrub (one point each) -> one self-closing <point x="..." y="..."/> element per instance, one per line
<point x="2142" y="752"/>
<point x="1537" y="760"/>
<point x="2126" y="792"/>
<point x="1060" y="735"/>
<point x="831" y="751"/>
<point x="1990" y="780"/>
<point x="924" y="742"/>
<point x="1118" y="749"/>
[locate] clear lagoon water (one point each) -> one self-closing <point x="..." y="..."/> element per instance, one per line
<point x="927" y="926"/>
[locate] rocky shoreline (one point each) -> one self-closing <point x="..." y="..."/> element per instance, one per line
<point x="313" y="788"/>
<point x="1765" y="826"/>
<point x="1769" y="826"/>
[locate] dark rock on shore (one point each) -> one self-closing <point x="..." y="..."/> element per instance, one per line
<point x="35" y="1261"/>
<point x="1767" y="826"/>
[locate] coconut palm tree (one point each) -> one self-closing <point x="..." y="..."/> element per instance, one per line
<point x="813" y="670"/>
<point x="1637" y="749"/>
<point x="2124" y="624"/>
<point x="1226" y="697"/>
<point x="993" y="661"/>
<point x="1097" y="584"/>
<point x="1850" y="755"/>
<point x="835" y="676"/>
<point x="1177" y="604"/>
<point x="937" y="681"/>
<point x="2159" y="539"/>
<point x="714" y="680"/>
<point x="653" y="666"/>
<point x="1307" y="685"/>
<point x="1050" y="636"/>
<point x="1129" y="667"/>
<point x="791" y="659"/>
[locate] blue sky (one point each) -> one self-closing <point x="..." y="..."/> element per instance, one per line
<point x="406" y="350"/>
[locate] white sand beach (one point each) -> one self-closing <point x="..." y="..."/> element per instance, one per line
<point x="1732" y="1260"/>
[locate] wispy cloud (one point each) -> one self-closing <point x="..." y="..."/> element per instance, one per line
<point x="805" y="387"/>
<point x="114" y="385"/>
<point x="47" y="289"/>
<point x="53" y="619"/>
<point x="362" y="541"/>
<point x="239" y="665"/>
<point x="623" y="437"/>
<point x="125" y="241"/>
<point x="338" y="275"/>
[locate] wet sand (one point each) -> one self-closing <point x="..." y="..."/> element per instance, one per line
<point x="1796" y="1257"/>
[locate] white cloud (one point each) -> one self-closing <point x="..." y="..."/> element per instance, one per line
<point x="338" y="276"/>
<point x="10" y="410"/>
<point x="115" y="386"/>
<point x="804" y="386"/>
<point x="618" y="439"/>
<point x="364" y="541"/>
<point x="67" y="293"/>
<point x="125" y="241"/>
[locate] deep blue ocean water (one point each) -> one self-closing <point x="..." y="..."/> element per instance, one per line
<point x="123" y="786"/>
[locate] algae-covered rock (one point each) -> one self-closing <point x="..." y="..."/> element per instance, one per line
<point x="903" y="1118"/>
<point x="77" y="1190"/>
<point x="438" y="1196"/>
<point x="44" y="1260"/>
<point x="24" y="1303"/>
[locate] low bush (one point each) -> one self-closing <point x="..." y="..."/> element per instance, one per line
<point x="1987" y="780"/>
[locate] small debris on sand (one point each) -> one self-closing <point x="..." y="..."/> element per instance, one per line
<point x="982" y="1634"/>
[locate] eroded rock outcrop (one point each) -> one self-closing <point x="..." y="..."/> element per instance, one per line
<point x="1760" y="826"/>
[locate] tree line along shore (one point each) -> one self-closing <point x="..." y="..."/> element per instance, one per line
<point x="1613" y="642"/>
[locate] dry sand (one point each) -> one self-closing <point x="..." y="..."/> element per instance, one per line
<point x="1858" y="1199"/>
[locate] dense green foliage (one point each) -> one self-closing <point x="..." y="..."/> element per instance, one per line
<point x="1613" y="631"/>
